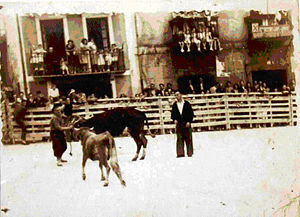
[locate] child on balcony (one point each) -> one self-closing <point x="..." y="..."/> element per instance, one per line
<point x="34" y="59"/>
<point x="108" y="59"/>
<point x="40" y="56"/>
<point x="63" y="66"/>
<point x="115" y="57"/>
<point x="100" y="60"/>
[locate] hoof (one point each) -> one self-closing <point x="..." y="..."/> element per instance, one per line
<point x="134" y="159"/>
<point x="105" y="184"/>
<point x="142" y="158"/>
<point x="123" y="183"/>
<point x="83" y="177"/>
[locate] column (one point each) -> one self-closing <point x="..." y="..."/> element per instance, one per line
<point x="66" y="29"/>
<point x="23" y="79"/>
<point x="113" y="86"/>
<point x="38" y="30"/>
<point x="132" y="51"/>
<point x="111" y="30"/>
<point x="84" y="26"/>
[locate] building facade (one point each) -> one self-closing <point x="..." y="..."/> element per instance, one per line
<point x="246" y="51"/>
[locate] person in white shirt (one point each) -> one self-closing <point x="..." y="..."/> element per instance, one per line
<point x="53" y="94"/>
<point x="182" y="114"/>
<point x="101" y="61"/>
<point x="93" y="51"/>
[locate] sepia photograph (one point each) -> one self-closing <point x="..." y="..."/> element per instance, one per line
<point x="170" y="108"/>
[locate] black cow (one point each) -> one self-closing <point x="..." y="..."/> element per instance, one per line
<point x="116" y="120"/>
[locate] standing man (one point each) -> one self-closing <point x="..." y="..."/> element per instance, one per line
<point x="57" y="133"/>
<point x="20" y="108"/>
<point x="182" y="114"/>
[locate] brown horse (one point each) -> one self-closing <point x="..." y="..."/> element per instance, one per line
<point x="99" y="147"/>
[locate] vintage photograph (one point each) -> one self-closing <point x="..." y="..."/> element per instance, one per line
<point x="150" y="108"/>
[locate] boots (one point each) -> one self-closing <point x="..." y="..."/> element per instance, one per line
<point x="59" y="162"/>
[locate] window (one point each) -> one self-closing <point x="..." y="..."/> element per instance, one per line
<point x="53" y="36"/>
<point x="97" y="29"/>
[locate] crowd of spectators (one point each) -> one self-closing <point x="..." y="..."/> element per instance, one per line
<point x="78" y="97"/>
<point x="87" y="58"/>
<point x="227" y="87"/>
<point x="20" y="103"/>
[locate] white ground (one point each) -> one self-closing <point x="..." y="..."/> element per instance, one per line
<point x="236" y="173"/>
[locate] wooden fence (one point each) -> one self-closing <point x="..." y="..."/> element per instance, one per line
<point x="212" y="112"/>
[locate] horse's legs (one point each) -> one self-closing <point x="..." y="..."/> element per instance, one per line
<point x="138" y="142"/>
<point x="84" y="159"/>
<point x="144" y="142"/>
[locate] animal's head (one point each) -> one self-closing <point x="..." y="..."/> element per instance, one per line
<point x="82" y="122"/>
<point x="80" y="133"/>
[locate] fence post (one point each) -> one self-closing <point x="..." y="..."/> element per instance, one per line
<point x="161" y="116"/>
<point x="87" y="109"/>
<point x="291" y="109"/>
<point x="10" y="120"/>
<point x="5" y="130"/>
<point x="227" y="112"/>
<point x="271" y="112"/>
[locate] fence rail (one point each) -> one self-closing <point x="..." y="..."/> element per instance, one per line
<point x="212" y="112"/>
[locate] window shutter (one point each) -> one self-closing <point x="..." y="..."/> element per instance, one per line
<point x="119" y="30"/>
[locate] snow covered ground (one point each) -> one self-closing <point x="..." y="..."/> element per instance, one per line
<point x="234" y="173"/>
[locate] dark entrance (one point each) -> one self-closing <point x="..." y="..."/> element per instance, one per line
<point x="273" y="78"/>
<point x="53" y="36"/>
<point x="98" y="84"/>
<point x="193" y="66"/>
<point x="98" y="30"/>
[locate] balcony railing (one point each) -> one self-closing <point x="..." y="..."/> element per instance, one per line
<point x="95" y="63"/>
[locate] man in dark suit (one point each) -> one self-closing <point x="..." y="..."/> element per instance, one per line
<point x="182" y="114"/>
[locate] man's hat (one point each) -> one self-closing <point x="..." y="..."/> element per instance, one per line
<point x="56" y="106"/>
<point x="72" y="91"/>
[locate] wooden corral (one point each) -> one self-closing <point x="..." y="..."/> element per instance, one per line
<point x="212" y="112"/>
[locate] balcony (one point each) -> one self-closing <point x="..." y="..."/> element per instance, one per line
<point x="271" y="31"/>
<point x="268" y="26"/>
<point x="41" y="66"/>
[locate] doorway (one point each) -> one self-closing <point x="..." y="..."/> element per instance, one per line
<point x="98" y="84"/>
<point x="98" y="30"/>
<point x="273" y="78"/>
<point x="53" y="36"/>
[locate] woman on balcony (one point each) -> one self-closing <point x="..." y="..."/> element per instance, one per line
<point x="72" y="58"/>
<point x="84" y="54"/>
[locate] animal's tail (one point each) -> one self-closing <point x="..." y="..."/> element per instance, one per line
<point x="148" y="129"/>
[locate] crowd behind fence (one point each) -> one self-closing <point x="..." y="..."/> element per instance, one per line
<point x="220" y="111"/>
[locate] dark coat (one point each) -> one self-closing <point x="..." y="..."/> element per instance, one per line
<point x="57" y="135"/>
<point x="187" y="113"/>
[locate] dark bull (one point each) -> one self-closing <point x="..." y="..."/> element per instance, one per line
<point x="116" y="120"/>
